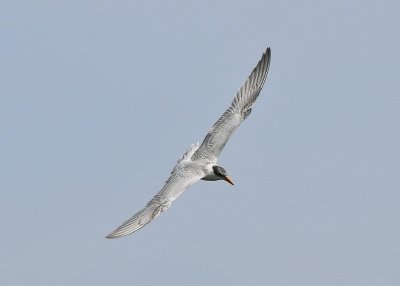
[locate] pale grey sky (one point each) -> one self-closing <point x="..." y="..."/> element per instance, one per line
<point x="100" y="98"/>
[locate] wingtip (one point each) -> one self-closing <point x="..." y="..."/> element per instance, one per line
<point x="111" y="235"/>
<point x="114" y="235"/>
<point x="119" y="233"/>
<point x="268" y="52"/>
<point x="267" y="57"/>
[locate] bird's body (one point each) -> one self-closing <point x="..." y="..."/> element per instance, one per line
<point x="199" y="161"/>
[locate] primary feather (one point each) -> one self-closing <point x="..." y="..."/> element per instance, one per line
<point x="237" y="112"/>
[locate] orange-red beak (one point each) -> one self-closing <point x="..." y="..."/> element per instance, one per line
<point x="229" y="180"/>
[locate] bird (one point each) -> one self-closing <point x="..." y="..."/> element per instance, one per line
<point x="199" y="162"/>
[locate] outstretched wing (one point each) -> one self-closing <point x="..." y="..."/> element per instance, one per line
<point x="180" y="180"/>
<point x="238" y="111"/>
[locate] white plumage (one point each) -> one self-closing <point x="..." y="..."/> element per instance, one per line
<point x="199" y="161"/>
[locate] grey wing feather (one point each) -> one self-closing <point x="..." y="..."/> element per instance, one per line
<point x="238" y="111"/>
<point x="186" y="156"/>
<point x="180" y="180"/>
<point x="139" y="220"/>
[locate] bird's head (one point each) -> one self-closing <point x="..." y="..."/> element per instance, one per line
<point x="221" y="174"/>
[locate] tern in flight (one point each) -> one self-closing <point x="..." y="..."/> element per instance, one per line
<point x="200" y="161"/>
